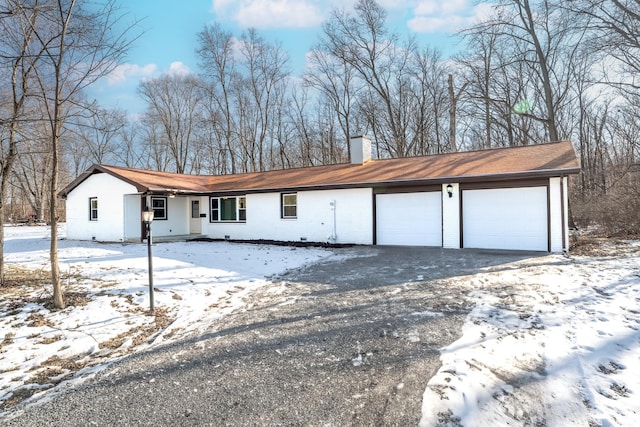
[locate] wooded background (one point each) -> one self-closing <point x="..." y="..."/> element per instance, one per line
<point x="533" y="71"/>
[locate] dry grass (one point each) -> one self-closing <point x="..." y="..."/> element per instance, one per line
<point x="52" y="371"/>
<point x="18" y="396"/>
<point x="8" y="340"/>
<point x="36" y="320"/>
<point x="46" y="376"/>
<point x="140" y="334"/>
<point x="71" y="299"/>
<point x="117" y="341"/>
<point x="67" y="364"/>
<point x="17" y="276"/>
<point x="599" y="247"/>
<point x="50" y="340"/>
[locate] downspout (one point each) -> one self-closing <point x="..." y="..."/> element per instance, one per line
<point x="333" y="237"/>
<point x="565" y="248"/>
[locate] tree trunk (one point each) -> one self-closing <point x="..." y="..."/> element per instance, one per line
<point x="58" y="300"/>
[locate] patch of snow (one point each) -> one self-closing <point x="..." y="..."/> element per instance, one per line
<point x="550" y="341"/>
<point x="196" y="283"/>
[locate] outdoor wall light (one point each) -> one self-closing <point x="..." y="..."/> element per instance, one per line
<point x="450" y="190"/>
<point x="147" y="218"/>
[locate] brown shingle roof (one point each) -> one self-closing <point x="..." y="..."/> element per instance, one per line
<point x="541" y="160"/>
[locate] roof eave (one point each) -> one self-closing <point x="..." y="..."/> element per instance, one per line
<point x="505" y="176"/>
<point x="96" y="168"/>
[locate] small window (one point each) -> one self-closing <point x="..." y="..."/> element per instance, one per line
<point x="159" y="206"/>
<point x="290" y="205"/>
<point x="228" y="209"/>
<point x="215" y="209"/>
<point x="93" y="209"/>
<point x="195" y="209"/>
<point x="242" y="208"/>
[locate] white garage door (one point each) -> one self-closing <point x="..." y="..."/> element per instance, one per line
<point x="410" y="219"/>
<point x="506" y="218"/>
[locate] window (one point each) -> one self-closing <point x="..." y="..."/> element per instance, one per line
<point x="159" y="206"/>
<point x="93" y="208"/>
<point x="228" y="209"/>
<point x="289" y="205"/>
<point x="195" y="209"/>
<point x="215" y="209"/>
<point x="242" y="208"/>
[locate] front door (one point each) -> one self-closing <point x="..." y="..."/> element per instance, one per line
<point x="195" y="226"/>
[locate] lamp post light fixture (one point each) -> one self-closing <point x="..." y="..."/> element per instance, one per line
<point x="450" y="190"/>
<point x="147" y="218"/>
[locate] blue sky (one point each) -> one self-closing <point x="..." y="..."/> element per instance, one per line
<point x="168" y="42"/>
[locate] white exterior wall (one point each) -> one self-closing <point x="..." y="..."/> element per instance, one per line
<point x="110" y="192"/>
<point x="315" y="218"/>
<point x="177" y="222"/>
<point x="132" y="217"/>
<point x="451" y="217"/>
<point x="558" y="201"/>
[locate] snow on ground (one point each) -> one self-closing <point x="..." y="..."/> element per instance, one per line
<point x="551" y="341"/>
<point x="106" y="286"/>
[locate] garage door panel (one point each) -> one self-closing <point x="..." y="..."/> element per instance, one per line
<point x="411" y="219"/>
<point x="506" y="218"/>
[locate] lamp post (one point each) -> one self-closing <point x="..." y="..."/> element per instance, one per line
<point x="147" y="218"/>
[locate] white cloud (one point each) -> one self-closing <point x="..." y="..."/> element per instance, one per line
<point x="434" y="15"/>
<point x="263" y="14"/>
<point x="177" y="68"/>
<point x="124" y="72"/>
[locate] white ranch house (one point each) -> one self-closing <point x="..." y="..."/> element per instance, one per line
<point x="507" y="198"/>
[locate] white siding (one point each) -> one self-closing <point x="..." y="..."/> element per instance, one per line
<point x="178" y="217"/>
<point x="411" y="219"/>
<point x="314" y="222"/>
<point x="558" y="201"/>
<point x="132" y="217"/>
<point x="110" y="192"/>
<point x="451" y="217"/>
<point x="505" y="218"/>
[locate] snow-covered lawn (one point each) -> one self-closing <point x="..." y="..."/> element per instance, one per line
<point x="550" y="340"/>
<point x="106" y="286"/>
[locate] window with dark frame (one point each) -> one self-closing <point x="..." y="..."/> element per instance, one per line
<point x="229" y="209"/>
<point x="289" y="203"/>
<point x="93" y="208"/>
<point x="242" y="208"/>
<point x="215" y="209"/>
<point x="159" y="206"/>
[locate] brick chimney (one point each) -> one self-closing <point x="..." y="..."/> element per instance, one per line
<point x="360" y="149"/>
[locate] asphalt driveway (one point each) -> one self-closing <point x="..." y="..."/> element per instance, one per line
<point x="351" y="342"/>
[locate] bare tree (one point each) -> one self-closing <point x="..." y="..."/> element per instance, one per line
<point x="334" y="78"/>
<point x="80" y="45"/>
<point x="32" y="171"/>
<point x="264" y="80"/>
<point x="18" y="59"/>
<point x="615" y="26"/>
<point x="363" y="41"/>
<point x="454" y="98"/>
<point x="95" y="139"/>
<point x="216" y="51"/>
<point x="173" y="101"/>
